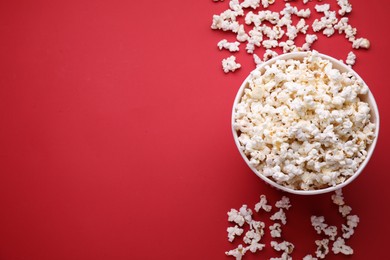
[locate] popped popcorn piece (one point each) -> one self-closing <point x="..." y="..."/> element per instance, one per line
<point x="322" y="248"/>
<point x="231" y="46"/>
<point x="251" y="3"/>
<point x="233" y="232"/>
<point x="284" y="203"/>
<point x="257" y="60"/>
<point x="275" y="230"/>
<point x="269" y="55"/>
<point x="347" y="231"/>
<point x="309" y="40"/>
<point x="268" y="44"/>
<point x="351" y="58"/>
<point x="303" y="13"/>
<point x="242" y="36"/>
<point x="345" y="7"/>
<point x="353" y="221"/>
<point x="339" y="246"/>
<point x="236" y="217"/>
<point x="302" y="26"/>
<point x="246" y="213"/>
<point x="345" y="210"/>
<point x="284" y="246"/>
<point x="255" y="246"/>
<point x="238" y="252"/>
<point x="251" y="236"/>
<point x="331" y="232"/>
<point x="262" y="204"/>
<point x="361" y="43"/>
<point x="284" y="256"/>
<point x="322" y="8"/>
<point x="310" y="257"/>
<point x="288" y="46"/>
<point x="279" y="215"/>
<point x="318" y="222"/>
<point x="338" y="197"/>
<point x="230" y="64"/>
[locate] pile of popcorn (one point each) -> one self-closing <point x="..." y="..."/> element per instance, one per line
<point x="330" y="239"/>
<point x="303" y="124"/>
<point x="276" y="30"/>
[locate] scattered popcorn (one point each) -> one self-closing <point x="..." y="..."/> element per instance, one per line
<point x="351" y="58"/>
<point x="251" y="236"/>
<point x="339" y="246"/>
<point x="282" y="24"/>
<point x="236" y="217"/>
<point x="276" y="230"/>
<point x="284" y="246"/>
<point x="262" y="204"/>
<point x="251" y="3"/>
<point x="296" y="141"/>
<point x="352" y="221"/>
<point x="361" y="43"/>
<point x="268" y="44"/>
<point x="288" y="46"/>
<point x="284" y="203"/>
<point x="257" y="60"/>
<point x="345" y="210"/>
<point x="230" y="64"/>
<point x="322" y="8"/>
<point x="345" y="7"/>
<point x="318" y="223"/>
<point x="338" y="197"/>
<point x="322" y="248"/>
<point x="279" y="215"/>
<point x="269" y="55"/>
<point x="231" y="46"/>
<point x="238" y="252"/>
<point x="309" y="257"/>
<point x="331" y="232"/>
<point x="304" y="13"/>
<point x="347" y="231"/>
<point x="233" y="232"/>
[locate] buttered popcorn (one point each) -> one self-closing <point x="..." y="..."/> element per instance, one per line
<point x="302" y="123"/>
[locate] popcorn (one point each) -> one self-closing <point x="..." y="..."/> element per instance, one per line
<point x="251" y="3"/>
<point x="257" y="60"/>
<point x="284" y="203"/>
<point x="282" y="24"/>
<point x="322" y="248"/>
<point x="351" y="58"/>
<point x="230" y="64"/>
<point x="275" y="230"/>
<point x="318" y="223"/>
<point x="322" y="8"/>
<point x="262" y="204"/>
<point x="236" y="217"/>
<point x="233" y="232"/>
<point x="285" y="246"/>
<point x="339" y="246"/>
<point x="269" y="55"/>
<point x="309" y="257"/>
<point x="338" y="197"/>
<point x="268" y="44"/>
<point x="361" y="43"/>
<point x="295" y="141"/>
<point x="304" y="13"/>
<point x="345" y="210"/>
<point x="279" y="215"/>
<point x="345" y="7"/>
<point x="231" y="46"/>
<point x="238" y="252"/>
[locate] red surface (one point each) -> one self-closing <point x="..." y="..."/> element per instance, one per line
<point x="115" y="138"/>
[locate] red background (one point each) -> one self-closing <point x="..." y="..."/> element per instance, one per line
<point x="115" y="138"/>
